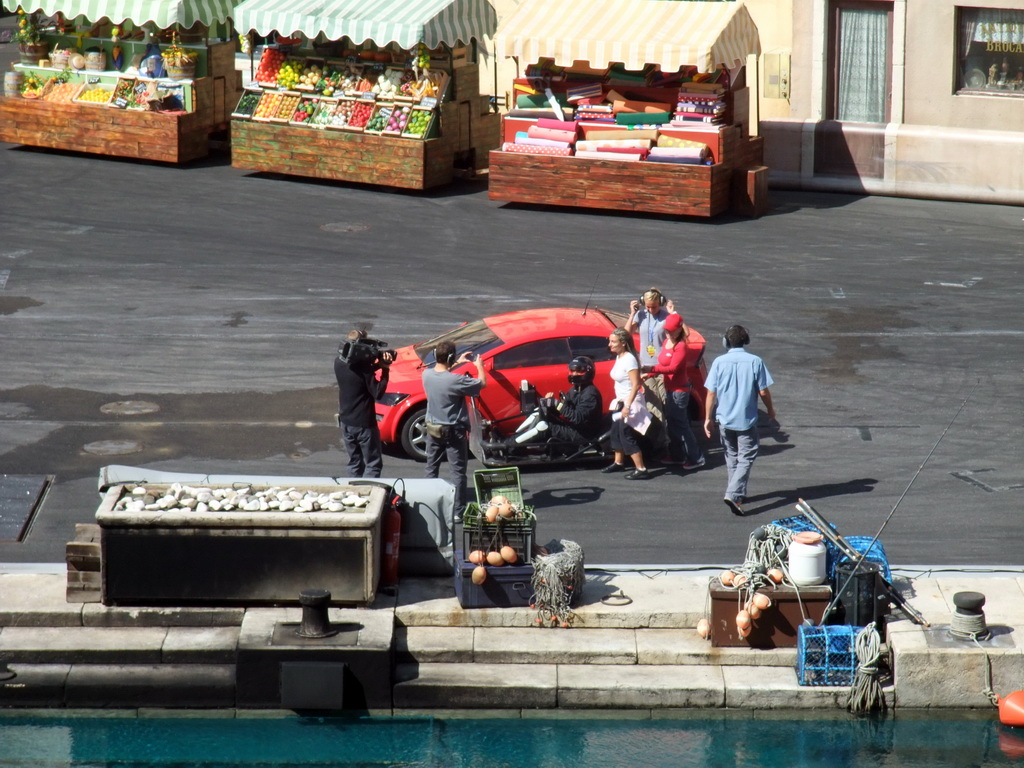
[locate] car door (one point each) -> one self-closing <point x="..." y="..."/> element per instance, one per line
<point x="543" y="363"/>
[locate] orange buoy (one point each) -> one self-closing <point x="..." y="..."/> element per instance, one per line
<point x="1011" y="709"/>
<point x="754" y="611"/>
<point x="761" y="600"/>
<point x="743" y="620"/>
<point x="739" y="580"/>
<point x="743" y="631"/>
<point x="726" y="578"/>
<point x="704" y="629"/>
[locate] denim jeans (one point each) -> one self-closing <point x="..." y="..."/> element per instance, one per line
<point x="740" y="451"/>
<point x="682" y="443"/>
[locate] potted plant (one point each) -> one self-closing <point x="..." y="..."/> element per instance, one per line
<point x="30" y="43"/>
<point x="180" y="62"/>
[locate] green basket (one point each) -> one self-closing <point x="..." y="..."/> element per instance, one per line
<point x="502" y="481"/>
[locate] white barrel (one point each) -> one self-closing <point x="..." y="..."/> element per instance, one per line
<point x="12" y="83"/>
<point x="807" y="562"/>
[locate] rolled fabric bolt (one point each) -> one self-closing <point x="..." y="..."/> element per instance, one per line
<point x="536" y="132"/>
<point x="557" y="125"/>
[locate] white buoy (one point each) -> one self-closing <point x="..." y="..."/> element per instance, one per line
<point x="807" y="559"/>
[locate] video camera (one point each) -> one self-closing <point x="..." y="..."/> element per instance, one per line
<point x="365" y="351"/>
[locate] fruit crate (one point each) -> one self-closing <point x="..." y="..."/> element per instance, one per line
<point x="324" y="113"/>
<point x="826" y="655"/>
<point x="506" y="586"/>
<point x="379" y="118"/>
<point x="421" y="120"/>
<point x="247" y="103"/>
<point x="92" y="88"/>
<point x="304" y="110"/>
<point x="289" y="102"/>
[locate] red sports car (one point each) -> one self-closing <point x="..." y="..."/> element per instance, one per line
<point x="533" y="345"/>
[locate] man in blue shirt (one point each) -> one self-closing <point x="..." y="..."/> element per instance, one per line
<point x="733" y="385"/>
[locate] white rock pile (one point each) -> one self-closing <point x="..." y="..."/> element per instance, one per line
<point x="243" y="499"/>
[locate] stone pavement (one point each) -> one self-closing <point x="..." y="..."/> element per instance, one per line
<point x="419" y="651"/>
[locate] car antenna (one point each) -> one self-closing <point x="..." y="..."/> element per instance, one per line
<point x="587" y="306"/>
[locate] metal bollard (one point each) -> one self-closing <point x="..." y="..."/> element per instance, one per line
<point x="315" y="623"/>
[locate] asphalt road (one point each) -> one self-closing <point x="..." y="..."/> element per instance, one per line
<point x="894" y="330"/>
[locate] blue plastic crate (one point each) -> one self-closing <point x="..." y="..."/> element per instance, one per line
<point x="825" y="655"/>
<point x="876" y="554"/>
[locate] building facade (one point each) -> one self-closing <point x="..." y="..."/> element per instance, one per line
<point x="912" y="98"/>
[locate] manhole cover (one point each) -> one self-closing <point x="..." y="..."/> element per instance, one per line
<point x="343" y="227"/>
<point x="130" y="407"/>
<point x="113" y="447"/>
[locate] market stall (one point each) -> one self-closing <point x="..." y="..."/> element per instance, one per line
<point x="386" y="93"/>
<point x="630" y="105"/>
<point x="128" y="78"/>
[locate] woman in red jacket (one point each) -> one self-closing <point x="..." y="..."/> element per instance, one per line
<point x="680" y="353"/>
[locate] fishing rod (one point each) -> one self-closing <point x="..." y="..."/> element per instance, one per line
<point x="859" y="557"/>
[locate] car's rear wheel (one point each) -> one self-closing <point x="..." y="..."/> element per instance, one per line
<point x="414" y="434"/>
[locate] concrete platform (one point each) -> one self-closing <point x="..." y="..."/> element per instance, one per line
<point x="418" y="650"/>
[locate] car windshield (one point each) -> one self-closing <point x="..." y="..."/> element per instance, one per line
<point x="475" y="337"/>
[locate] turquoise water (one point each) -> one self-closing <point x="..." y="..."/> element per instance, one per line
<point x="708" y="742"/>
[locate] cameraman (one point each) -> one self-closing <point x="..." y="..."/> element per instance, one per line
<point x="448" y="417"/>
<point x="358" y="387"/>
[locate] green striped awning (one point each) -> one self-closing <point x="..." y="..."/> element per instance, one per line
<point x="163" y="13"/>
<point x="405" y="22"/>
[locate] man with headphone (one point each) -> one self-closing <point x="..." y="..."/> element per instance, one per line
<point x="735" y="381"/>
<point x="448" y="417"/>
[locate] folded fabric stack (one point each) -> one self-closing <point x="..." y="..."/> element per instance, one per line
<point x="590" y="90"/>
<point x="699" y="108"/>
<point x="595" y="112"/>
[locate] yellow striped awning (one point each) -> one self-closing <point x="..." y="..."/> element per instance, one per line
<point x="707" y="34"/>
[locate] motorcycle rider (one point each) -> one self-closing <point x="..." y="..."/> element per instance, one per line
<point x="575" y="419"/>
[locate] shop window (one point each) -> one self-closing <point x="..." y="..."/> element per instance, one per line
<point x="991" y="51"/>
<point x="860" y="60"/>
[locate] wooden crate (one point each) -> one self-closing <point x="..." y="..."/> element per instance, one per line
<point x="170" y="138"/>
<point x="341" y="155"/>
<point x="684" y="190"/>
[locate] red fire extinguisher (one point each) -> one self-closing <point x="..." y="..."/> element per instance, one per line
<point x="392" y="536"/>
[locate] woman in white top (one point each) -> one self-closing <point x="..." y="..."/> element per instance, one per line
<point x="629" y="409"/>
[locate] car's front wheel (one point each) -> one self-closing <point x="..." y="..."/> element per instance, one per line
<point x="414" y="434"/>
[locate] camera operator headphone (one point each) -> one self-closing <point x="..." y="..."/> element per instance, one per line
<point x="652" y="294"/>
<point x="744" y="337"/>
<point x="449" y="359"/>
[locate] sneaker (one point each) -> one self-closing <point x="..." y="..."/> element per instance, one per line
<point x="695" y="464"/>
<point x="638" y="474"/>
<point x="613" y="467"/>
<point x="734" y="507"/>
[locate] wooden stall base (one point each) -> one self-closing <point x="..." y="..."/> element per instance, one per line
<point x="164" y="137"/>
<point x="362" y="157"/>
<point x="683" y="190"/>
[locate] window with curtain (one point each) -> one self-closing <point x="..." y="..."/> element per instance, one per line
<point x="991" y="51"/>
<point x="860" y="56"/>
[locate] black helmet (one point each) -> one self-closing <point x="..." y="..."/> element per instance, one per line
<point x="581" y="370"/>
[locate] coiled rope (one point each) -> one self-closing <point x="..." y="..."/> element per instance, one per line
<point x="971" y="626"/>
<point x="866" y="694"/>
